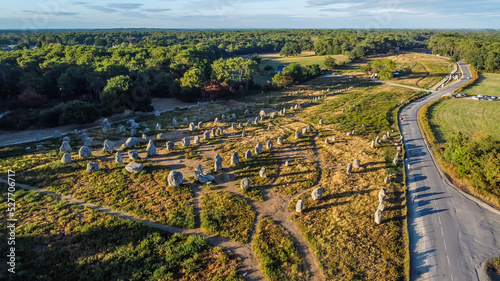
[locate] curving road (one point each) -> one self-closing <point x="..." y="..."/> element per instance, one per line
<point x="451" y="234"/>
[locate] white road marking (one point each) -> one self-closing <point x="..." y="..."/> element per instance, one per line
<point x="444" y="241"/>
<point x="451" y="275"/>
<point x="442" y="233"/>
<point x="448" y="258"/>
<point x="439" y="219"/>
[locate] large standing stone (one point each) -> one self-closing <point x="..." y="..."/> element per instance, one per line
<point x="133" y="154"/>
<point x="235" y="158"/>
<point x="298" y="135"/>
<point x="214" y="132"/>
<point x="248" y="154"/>
<point x="65" y="147"/>
<point x="381" y="195"/>
<point x="263" y="172"/>
<point x="92" y="167"/>
<point x="192" y="127"/>
<point x="245" y="183"/>
<point x="216" y="120"/>
<point x="170" y="145"/>
<point x="132" y="141"/>
<point x="218" y="163"/>
<point x="151" y="148"/>
<point x="269" y="144"/>
<point x="175" y="178"/>
<point x="118" y="158"/>
<point x="349" y="168"/>
<point x="356" y="163"/>
<point x="258" y="148"/>
<point x="317" y="193"/>
<point x="108" y="145"/>
<point x="66" y="158"/>
<point x="85" y="152"/>
<point x="279" y="141"/>
<point x="378" y="217"/>
<point x="134" y="167"/>
<point x="299" y="207"/>
<point x="57" y="134"/>
<point x="206" y="135"/>
<point x="185" y="141"/>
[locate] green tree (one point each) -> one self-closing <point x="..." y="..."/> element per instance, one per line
<point x="330" y="62"/>
<point x="296" y="71"/>
<point x="115" y="94"/>
<point x="193" y="78"/>
<point x="290" y="49"/>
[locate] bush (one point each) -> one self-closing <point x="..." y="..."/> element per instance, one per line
<point x="50" y="117"/>
<point x="79" y="112"/>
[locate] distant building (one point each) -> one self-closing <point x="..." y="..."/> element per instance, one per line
<point x="279" y="69"/>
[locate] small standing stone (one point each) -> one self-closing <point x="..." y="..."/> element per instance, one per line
<point x="151" y="149"/>
<point x="192" y="127"/>
<point x="200" y="125"/>
<point x="185" y="120"/>
<point x="132" y="141"/>
<point x="327" y="141"/>
<point x="233" y="126"/>
<point x="298" y="135"/>
<point x="122" y="129"/>
<point x="378" y="217"/>
<point x="317" y="193"/>
<point x="85" y="152"/>
<point x="66" y="138"/>
<point x="218" y="163"/>
<point x="321" y="121"/>
<point x="386" y="180"/>
<point x="65" y="147"/>
<point x="174" y="123"/>
<point x="170" y="145"/>
<point x="108" y="145"/>
<point x="157" y="113"/>
<point x="243" y="133"/>
<point x="134" y="167"/>
<point x="381" y="195"/>
<point x="118" y="158"/>
<point x="263" y="172"/>
<point x="133" y="154"/>
<point x="245" y="183"/>
<point x="373" y="144"/>
<point x="299" y="207"/>
<point x="88" y="142"/>
<point x="185" y="141"/>
<point x="235" y="158"/>
<point x="269" y="144"/>
<point x="66" y="158"/>
<point x="196" y="140"/>
<point x="356" y="163"/>
<point x="57" y="134"/>
<point x="286" y="163"/>
<point x="92" y="167"/>
<point x="175" y="178"/>
<point x="206" y="135"/>
<point x="280" y="141"/>
<point x="248" y="154"/>
<point x="349" y="168"/>
<point x="395" y="161"/>
<point x="158" y="126"/>
<point x="384" y="137"/>
<point x="258" y="148"/>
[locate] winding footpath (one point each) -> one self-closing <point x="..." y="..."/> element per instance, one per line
<point x="451" y="233"/>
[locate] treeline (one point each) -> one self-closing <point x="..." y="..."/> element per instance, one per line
<point x="477" y="49"/>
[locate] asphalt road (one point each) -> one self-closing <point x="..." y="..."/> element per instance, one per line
<point x="451" y="234"/>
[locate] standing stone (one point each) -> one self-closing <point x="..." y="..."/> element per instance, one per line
<point x="388" y="134"/>
<point x="158" y="126"/>
<point x="269" y="127"/>
<point x="218" y="163"/>
<point x="196" y="139"/>
<point x="262" y="113"/>
<point x="299" y="207"/>
<point x="334" y="138"/>
<point x="286" y="163"/>
<point x="161" y="136"/>
<point x="327" y="141"/>
<point x="157" y="113"/>
<point x="280" y="141"/>
<point x="373" y="144"/>
<point x="243" y="133"/>
<point x="105" y="124"/>
<point x="263" y="172"/>
<point x="321" y="121"/>
<point x="133" y="154"/>
<point x="248" y="154"/>
<point x="185" y="121"/>
<point x="304" y="131"/>
<point x="122" y="129"/>
<point x="384" y="137"/>
<point x="233" y="116"/>
<point x="381" y="207"/>
<point x="349" y="168"/>
<point x="85" y="152"/>
<point x="245" y="183"/>
<point x="66" y="158"/>
<point x="65" y="147"/>
<point x="216" y="120"/>
<point x="170" y="145"/>
<point x="201" y="176"/>
<point x="377" y="140"/>
<point x="378" y="217"/>
<point x="241" y="125"/>
<point x="395" y="161"/>
<point x="92" y="167"/>
<point x="132" y="141"/>
<point x="256" y="121"/>
<point x="175" y="178"/>
<point x="151" y="149"/>
<point x="108" y="145"/>
<point x="269" y="144"/>
<point x="249" y="122"/>
<point x="214" y="132"/>
<point x="246" y="113"/>
<point x="235" y="158"/>
<point x="356" y="163"/>
<point x="386" y="180"/>
<point x="134" y="125"/>
<point x="381" y="195"/>
<point x="233" y="126"/>
<point x="192" y="127"/>
<point x="258" y="148"/>
<point x="118" y="158"/>
<point x="206" y="135"/>
<point x="57" y="134"/>
<point x="185" y="141"/>
<point x="200" y="125"/>
<point x="66" y="138"/>
<point x="317" y="193"/>
<point x="220" y="131"/>
<point x="343" y="110"/>
<point x="298" y="135"/>
<point x="174" y="123"/>
<point x="348" y="133"/>
<point x="88" y="142"/>
<point x="83" y="137"/>
<point x="38" y="137"/>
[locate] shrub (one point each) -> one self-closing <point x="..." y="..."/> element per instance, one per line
<point x="79" y="112"/>
<point x="50" y="117"/>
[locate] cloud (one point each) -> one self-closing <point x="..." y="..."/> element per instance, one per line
<point x="101" y="9"/>
<point x="331" y="2"/>
<point x="124" y="6"/>
<point x="155" y="10"/>
<point x="79" y="3"/>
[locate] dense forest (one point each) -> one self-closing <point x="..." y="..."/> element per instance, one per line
<point x="50" y="78"/>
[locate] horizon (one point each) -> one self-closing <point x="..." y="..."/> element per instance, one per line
<point x="249" y="14"/>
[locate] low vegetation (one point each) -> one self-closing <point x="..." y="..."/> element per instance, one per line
<point x="60" y="241"/>
<point x="227" y="215"/>
<point x="277" y="252"/>
<point x="493" y="269"/>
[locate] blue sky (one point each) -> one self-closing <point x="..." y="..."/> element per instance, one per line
<point x="40" y="14"/>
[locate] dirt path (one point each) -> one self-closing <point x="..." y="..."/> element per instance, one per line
<point x="426" y="75"/>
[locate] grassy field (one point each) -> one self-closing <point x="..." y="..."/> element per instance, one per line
<point x="487" y="84"/>
<point x="60" y="241"/>
<point x="464" y="115"/>
<point x="224" y="214"/>
<point x="277" y="253"/>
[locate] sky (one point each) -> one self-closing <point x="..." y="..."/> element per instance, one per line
<point x="240" y="14"/>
